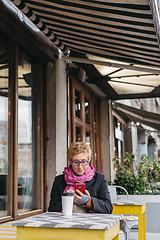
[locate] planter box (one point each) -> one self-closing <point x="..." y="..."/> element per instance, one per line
<point x="152" y="210"/>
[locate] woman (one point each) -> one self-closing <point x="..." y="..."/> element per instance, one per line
<point x="96" y="198"/>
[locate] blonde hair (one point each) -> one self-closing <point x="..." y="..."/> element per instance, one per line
<point x="77" y="148"/>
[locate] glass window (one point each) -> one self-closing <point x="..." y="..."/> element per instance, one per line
<point x="87" y="110"/>
<point x="21" y="168"/>
<point x="78" y="103"/>
<point x="4" y="101"/>
<point x="28" y="135"/>
<point x="78" y="134"/>
<point x="88" y="137"/>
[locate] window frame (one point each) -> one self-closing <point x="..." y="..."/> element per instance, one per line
<point x="13" y="50"/>
<point x="74" y="121"/>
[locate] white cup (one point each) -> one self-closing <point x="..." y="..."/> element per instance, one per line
<point x="67" y="203"/>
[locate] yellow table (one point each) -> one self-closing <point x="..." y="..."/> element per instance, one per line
<point x="134" y="208"/>
<point x="79" y="226"/>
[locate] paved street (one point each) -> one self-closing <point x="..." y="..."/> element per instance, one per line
<point x="150" y="236"/>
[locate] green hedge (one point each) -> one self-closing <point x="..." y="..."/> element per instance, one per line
<point x="141" y="177"/>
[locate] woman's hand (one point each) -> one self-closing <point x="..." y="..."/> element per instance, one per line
<point x="70" y="191"/>
<point x="80" y="195"/>
<point x="89" y="203"/>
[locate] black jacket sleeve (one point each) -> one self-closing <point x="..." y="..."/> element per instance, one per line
<point x="101" y="197"/>
<point x="58" y="187"/>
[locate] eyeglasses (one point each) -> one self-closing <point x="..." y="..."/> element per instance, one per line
<point x="83" y="162"/>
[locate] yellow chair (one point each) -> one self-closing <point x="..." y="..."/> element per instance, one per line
<point x="128" y="220"/>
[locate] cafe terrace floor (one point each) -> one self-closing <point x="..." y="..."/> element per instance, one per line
<point x="150" y="236"/>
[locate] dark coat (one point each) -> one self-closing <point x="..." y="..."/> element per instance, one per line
<point x="97" y="187"/>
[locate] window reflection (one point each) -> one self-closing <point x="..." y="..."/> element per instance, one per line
<point x="4" y="101"/>
<point x="28" y="137"/>
<point x="78" y="134"/>
<point x="87" y="110"/>
<point x="77" y="103"/>
<point x="88" y="137"/>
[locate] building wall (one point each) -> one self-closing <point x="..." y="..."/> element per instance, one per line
<point x="147" y="138"/>
<point x="111" y="142"/>
<point x="105" y="146"/>
<point x="50" y="128"/>
<point x="56" y="145"/>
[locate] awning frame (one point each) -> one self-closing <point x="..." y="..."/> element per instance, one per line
<point x="111" y="64"/>
<point x="138" y="115"/>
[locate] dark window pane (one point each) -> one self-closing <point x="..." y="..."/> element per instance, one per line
<point x="78" y="134"/>
<point x="77" y="103"/>
<point x="88" y="137"/>
<point x="87" y="110"/>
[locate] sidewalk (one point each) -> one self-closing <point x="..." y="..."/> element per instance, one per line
<point x="150" y="236"/>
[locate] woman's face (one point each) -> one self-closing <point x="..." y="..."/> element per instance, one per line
<point x="79" y="168"/>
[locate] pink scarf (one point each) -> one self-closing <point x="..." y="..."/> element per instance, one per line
<point x="71" y="178"/>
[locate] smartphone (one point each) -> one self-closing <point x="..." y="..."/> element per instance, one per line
<point x="81" y="187"/>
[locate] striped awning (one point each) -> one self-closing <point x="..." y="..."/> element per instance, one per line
<point x="124" y="34"/>
<point x="138" y="115"/>
<point x="124" y="30"/>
